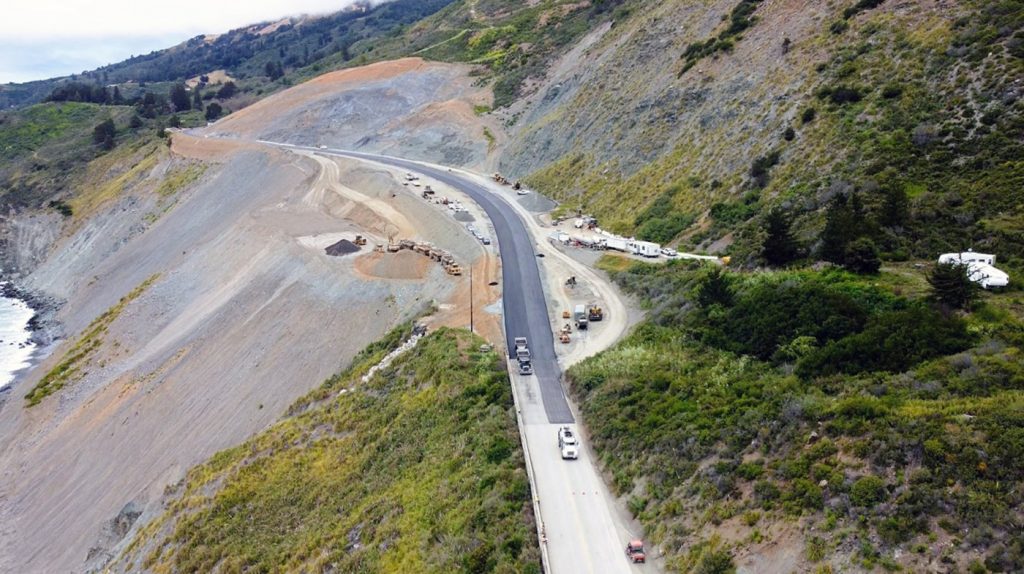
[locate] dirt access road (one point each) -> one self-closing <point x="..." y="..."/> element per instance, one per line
<point x="583" y="527"/>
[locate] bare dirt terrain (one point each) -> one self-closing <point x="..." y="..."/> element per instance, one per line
<point x="245" y="313"/>
<point x="408" y="107"/>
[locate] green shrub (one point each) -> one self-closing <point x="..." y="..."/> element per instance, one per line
<point x="715" y="562"/>
<point x="867" y="491"/>
<point x="861" y="256"/>
<point x="804" y="494"/>
<point x="751" y="470"/>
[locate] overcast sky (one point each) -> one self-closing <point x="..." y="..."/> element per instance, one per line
<point x="46" y="38"/>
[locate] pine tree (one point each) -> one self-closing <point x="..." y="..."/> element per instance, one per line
<point x="213" y="111"/>
<point x="951" y="285"/>
<point x="714" y="289"/>
<point x="845" y="221"/>
<point x="197" y="99"/>
<point x="779" y="247"/>
<point x="895" y="207"/>
<point x="103" y="134"/>
<point x="180" y="99"/>
<point x="862" y="256"/>
<point x="227" y="90"/>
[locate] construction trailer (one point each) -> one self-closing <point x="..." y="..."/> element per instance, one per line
<point x="617" y="243"/>
<point x="644" y="248"/>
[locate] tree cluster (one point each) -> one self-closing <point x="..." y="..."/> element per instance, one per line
<point x="103" y="134"/>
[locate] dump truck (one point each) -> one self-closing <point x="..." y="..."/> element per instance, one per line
<point x="520" y="343"/>
<point x="580" y="317"/>
<point x="567" y="444"/>
<point x="525" y="362"/>
<point x="521" y="352"/>
<point x="635" y="552"/>
<point x="595" y="313"/>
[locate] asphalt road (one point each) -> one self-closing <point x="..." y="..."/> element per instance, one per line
<point x="524" y="306"/>
<point x="582" y="529"/>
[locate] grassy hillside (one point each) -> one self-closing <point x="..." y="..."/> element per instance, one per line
<point x="298" y="45"/>
<point x="790" y="104"/>
<point x="847" y="418"/>
<point x="513" y="42"/>
<point x="418" y="470"/>
<point x="42" y="147"/>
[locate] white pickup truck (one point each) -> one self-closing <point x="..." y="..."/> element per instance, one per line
<point x="568" y="444"/>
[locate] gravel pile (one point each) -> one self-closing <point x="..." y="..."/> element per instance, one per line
<point x="341" y="248"/>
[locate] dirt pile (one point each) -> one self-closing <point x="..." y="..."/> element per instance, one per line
<point x="401" y="265"/>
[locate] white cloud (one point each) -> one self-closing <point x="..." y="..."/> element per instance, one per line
<point x="47" y="38"/>
<point x="56" y="20"/>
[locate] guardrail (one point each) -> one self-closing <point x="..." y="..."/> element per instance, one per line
<point x="541" y="531"/>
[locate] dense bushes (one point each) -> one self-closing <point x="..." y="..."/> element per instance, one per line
<point x="660" y="222"/>
<point x="695" y="414"/>
<point x="826" y="323"/>
<point x="891" y="341"/>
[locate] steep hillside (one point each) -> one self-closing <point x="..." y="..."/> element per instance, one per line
<point x="41" y="147"/>
<point x="416" y="470"/>
<point x="788" y="103"/>
<point x="803" y="421"/>
<point x="196" y="303"/>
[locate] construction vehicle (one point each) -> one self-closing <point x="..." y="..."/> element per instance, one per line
<point x="360" y="240"/>
<point x="521" y="352"/>
<point x="595" y="313"/>
<point x="635" y="552"/>
<point x="580" y="317"/>
<point x="566" y="314"/>
<point x="520" y="343"/>
<point x="568" y="444"/>
<point x="563" y="337"/>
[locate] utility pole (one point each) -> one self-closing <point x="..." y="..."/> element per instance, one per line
<point x="471" y="298"/>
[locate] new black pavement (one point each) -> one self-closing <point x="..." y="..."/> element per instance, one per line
<point x="524" y="305"/>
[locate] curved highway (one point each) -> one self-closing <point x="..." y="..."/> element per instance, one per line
<point x="524" y="307"/>
<point x="582" y="529"/>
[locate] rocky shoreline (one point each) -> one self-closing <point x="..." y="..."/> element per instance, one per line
<point x="43" y="325"/>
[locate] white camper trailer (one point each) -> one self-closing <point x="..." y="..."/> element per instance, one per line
<point x="980" y="268"/>
<point x="645" y="248"/>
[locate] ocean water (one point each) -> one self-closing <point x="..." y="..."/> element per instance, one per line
<point x="16" y="347"/>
